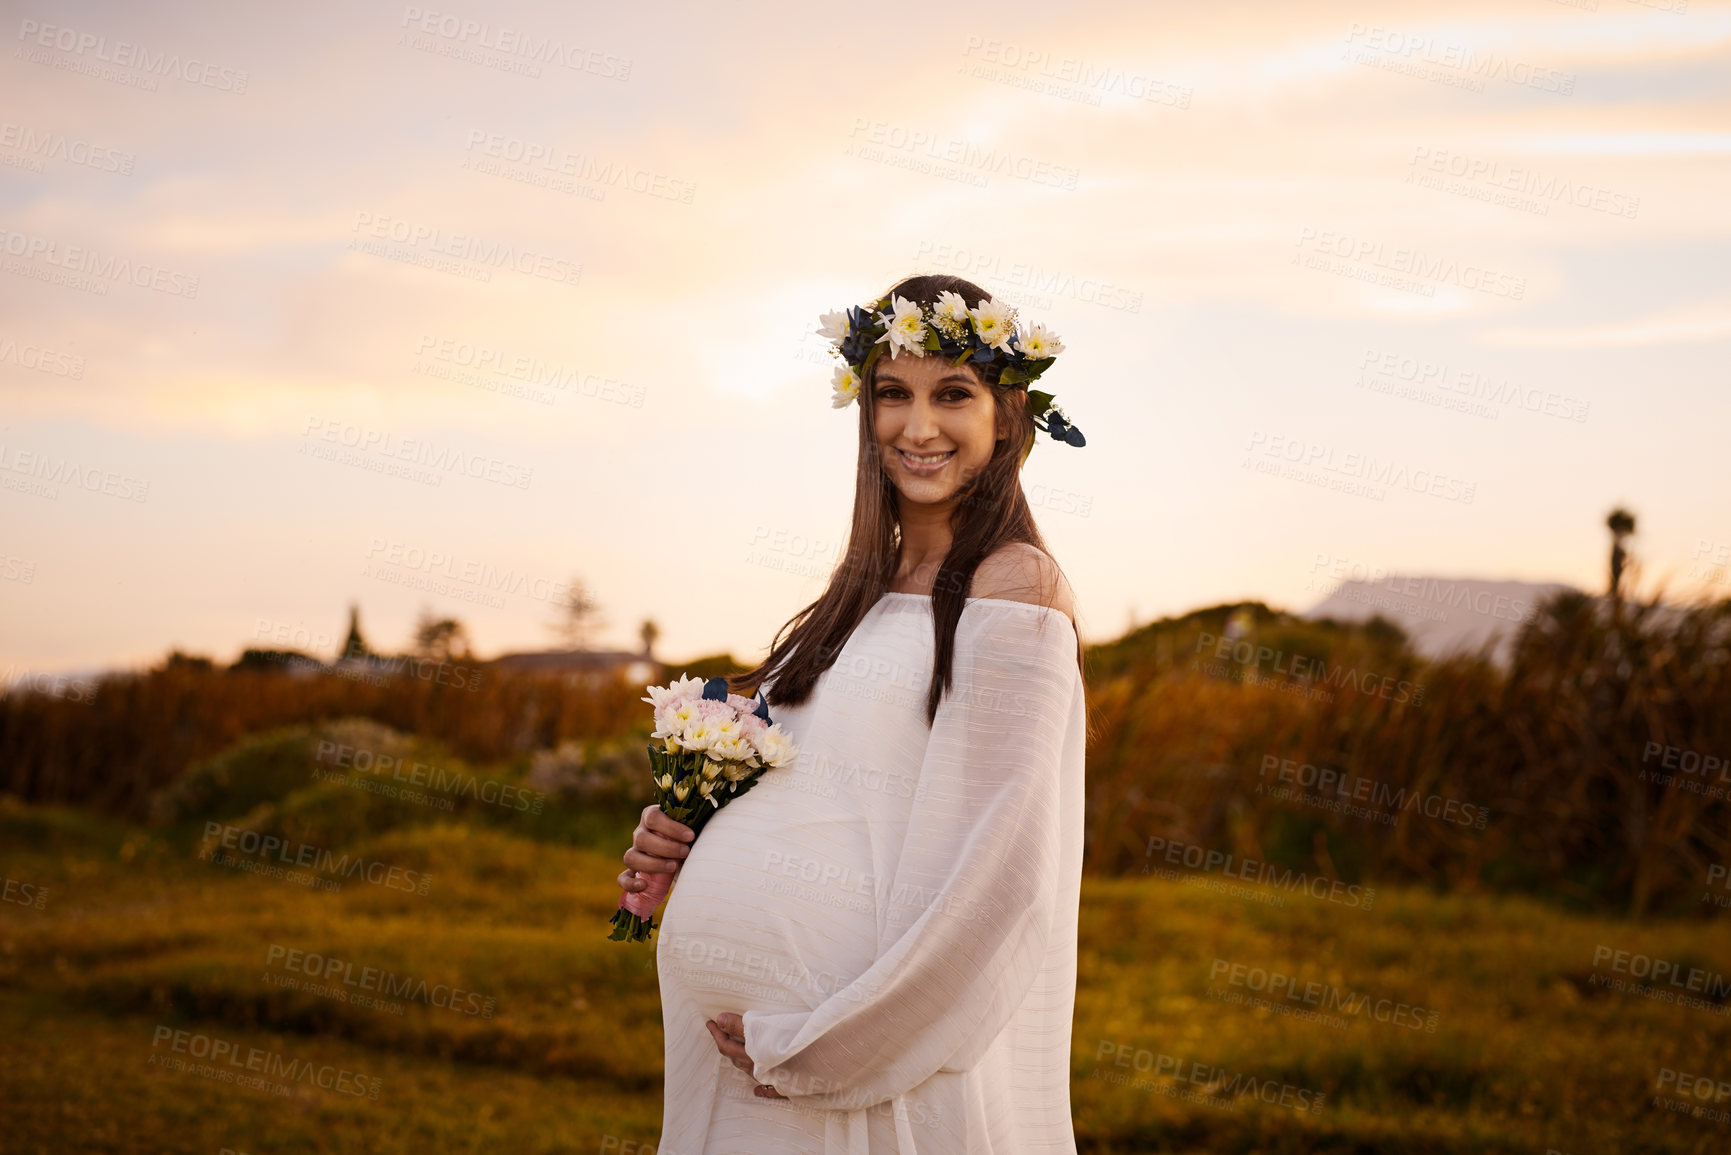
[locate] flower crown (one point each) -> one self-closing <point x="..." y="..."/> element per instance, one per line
<point x="987" y="335"/>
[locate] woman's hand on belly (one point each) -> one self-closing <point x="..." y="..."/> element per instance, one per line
<point x="728" y="1030"/>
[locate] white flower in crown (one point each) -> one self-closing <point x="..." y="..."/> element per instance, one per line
<point x="950" y="315"/>
<point x="995" y="323"/>
<point x="834" y="326"/>
<point x="1038" y="343"/>
<point x="905" y="328"/>
<point x="846" y="384"/>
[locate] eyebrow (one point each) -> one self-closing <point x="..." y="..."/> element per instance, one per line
<point x="958" y="376"/>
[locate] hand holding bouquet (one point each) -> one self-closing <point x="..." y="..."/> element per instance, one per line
<point x="714" y="747"/>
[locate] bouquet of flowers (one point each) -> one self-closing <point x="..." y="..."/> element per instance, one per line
<point x="714" y="747"/>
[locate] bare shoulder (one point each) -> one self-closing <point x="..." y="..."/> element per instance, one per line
<point x="1019" y="572"/>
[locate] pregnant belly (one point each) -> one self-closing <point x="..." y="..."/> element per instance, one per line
<point x="774" y="910"/>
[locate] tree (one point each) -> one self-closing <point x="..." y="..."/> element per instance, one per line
<point x="441" y="639"/>
<point x="577" y="615"/>
<point x="355" y="646"/>
<point x="1621" y="523"/>
<point x="649" y="631"/>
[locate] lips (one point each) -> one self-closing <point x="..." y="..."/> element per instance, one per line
<point x="914" y="465"/>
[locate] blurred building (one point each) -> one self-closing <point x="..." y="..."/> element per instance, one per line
<point x="584" y="667"/>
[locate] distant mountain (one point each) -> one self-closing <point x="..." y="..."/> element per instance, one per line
<point x="1441" y="615"/>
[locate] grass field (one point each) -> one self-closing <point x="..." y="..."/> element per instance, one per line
<point x="1459" y="1024"/>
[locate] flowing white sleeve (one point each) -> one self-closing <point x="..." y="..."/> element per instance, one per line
<point x="971" y="907"/>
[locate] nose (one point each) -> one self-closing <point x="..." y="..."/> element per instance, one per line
<point x="922" y="421"/>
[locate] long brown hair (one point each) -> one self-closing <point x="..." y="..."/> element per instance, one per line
<point x="991" y="511"/>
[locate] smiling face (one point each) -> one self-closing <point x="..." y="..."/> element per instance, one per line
<point x="937" y="425"/>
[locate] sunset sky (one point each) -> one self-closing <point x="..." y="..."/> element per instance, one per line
<point x="250" y="292"/>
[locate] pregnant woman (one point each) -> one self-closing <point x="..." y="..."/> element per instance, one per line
<point x="874" y="951"/>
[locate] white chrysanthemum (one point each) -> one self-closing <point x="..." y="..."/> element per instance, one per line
<point x="834" y="326"/>
<point x="905" y="328"/>
<point x="697" y="733"/>
<point x="732" y="748"/>
<point x="736" y="771"/>
<point x="676" y="718"/>
<point x="950" y="314"/>
<point x="846" y="384"/>
<point x="1039" y="343"/>
<point x="995" y="323"/>
<point x="774" y="746"/>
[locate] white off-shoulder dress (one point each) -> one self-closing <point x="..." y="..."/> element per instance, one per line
<point x="894" y="915"/>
